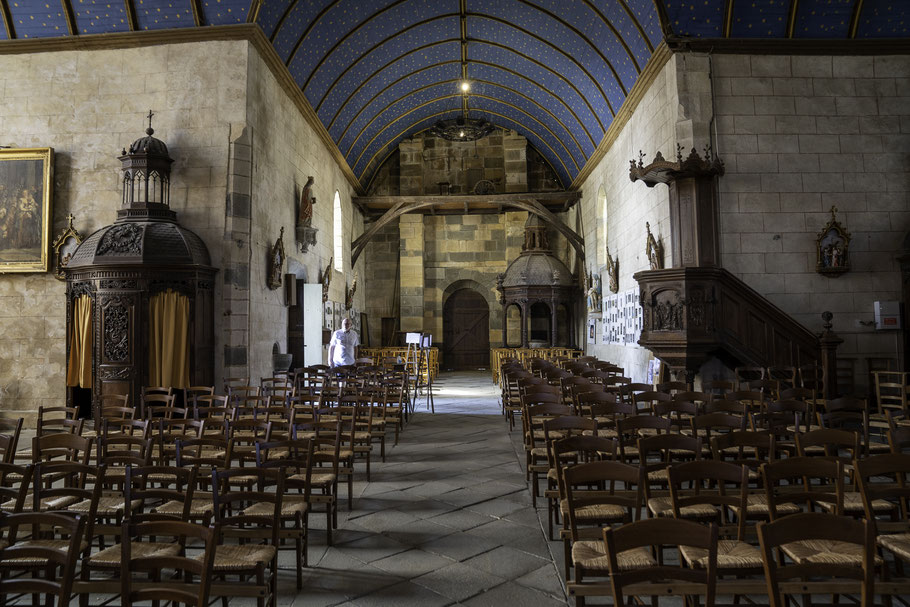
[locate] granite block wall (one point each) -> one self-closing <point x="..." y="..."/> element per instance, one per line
<point x="242" y="151"/>
<point x="800" y="135"/>
<point x="88" y="106"/>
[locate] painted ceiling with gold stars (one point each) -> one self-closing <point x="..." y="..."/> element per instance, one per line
<point x="556" y="71"/>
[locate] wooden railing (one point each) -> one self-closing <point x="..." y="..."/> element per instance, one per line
<point x="690" y="315"/>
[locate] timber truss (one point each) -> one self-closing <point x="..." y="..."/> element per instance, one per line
<point x="387" y="209"/>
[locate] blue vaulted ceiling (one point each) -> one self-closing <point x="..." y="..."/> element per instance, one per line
<point x="556" y="71"/>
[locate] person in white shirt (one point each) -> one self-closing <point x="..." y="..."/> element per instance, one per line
<point x="342" y="348"/>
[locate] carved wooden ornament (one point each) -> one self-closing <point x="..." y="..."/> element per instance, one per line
<point x="654" y="250"/>
<point x="831" y="247"/>
<point x="613" y="272"/>
<point x="65" y="245"/>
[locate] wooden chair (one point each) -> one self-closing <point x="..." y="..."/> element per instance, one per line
<point x="818" y="546"/>
<point x="294" y="458"/>
<point x="200" y="455"/>
<point x="70" y="447"/>
<point x="566" y="452"/>
<point x="9" y="439"/>
<point x="247" y="514"/>
<point x="656" y="454"/>
<point x="594" y="500"/>
<point x="630" y="560"/>
<point x="145" y="488"/>
<point x="324" y="477"/>
<point x="891" y="389"/>
<point x="192" y="582"/>
<point x="77" y="489"/>
<point x="55" y="558"/>
<point x="887" y="478"/>
<point x="722" y="487"/>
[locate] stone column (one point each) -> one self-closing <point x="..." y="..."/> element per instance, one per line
<point x="235" y="327"/>
<point x="412" y="275"/>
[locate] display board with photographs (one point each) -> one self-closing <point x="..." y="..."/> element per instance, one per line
<point x="622" y="318"/>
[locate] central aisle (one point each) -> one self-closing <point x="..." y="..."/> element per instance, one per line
<point x="446" y="520"/>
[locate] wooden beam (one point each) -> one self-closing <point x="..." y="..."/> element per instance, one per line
<point x="253" y="14"/>
<point x="7" y="20"/>
<point x="70" y="17"/>
<point x="131" y="15"/>
<point x="728" y="18"/>
<point x="197" y="12"/>
<point x="791" y="20"/>
<point x="412" y="204"/>
<point x="556" y="199"/>
<point x="854" y="19"/>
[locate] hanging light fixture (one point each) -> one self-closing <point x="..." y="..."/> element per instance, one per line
<point x="463" y="128"/>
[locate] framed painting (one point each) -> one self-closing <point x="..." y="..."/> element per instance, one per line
<point x="26" y="176"/>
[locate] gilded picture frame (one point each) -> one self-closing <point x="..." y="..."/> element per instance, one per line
<point x="26" y="180"/>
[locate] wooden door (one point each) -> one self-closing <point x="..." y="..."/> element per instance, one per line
<point x="466" y="331"/>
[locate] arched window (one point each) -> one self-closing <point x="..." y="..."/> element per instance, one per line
<point x="338" y="226"/>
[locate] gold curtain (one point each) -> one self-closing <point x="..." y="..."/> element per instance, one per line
<point x="169" y="348"/>
<point x="79" y="366"/>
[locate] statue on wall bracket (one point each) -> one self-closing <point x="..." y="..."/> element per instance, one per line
<point x="613" y="272"/>
<point x="65" y="245"/>
<point x="306" y="233"/>
<point x="654" y="250"/>
<point x="831" y="248"/>
<point x="276" y="262"/>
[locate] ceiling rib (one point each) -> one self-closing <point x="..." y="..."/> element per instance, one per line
<point x="384" y="67"/>
<point x="555" y="48"/>
<point x="70" y="18"/>
<point x="625" y="7"/>
<point x="7" y="20"/>
<point x="362" y="56"/>
<point x="347" y="35"/>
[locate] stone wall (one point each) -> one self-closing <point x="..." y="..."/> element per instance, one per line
<point x="88" y="106"/>
<point x="798" y="136"/>
<point x="285" y="151"/>
<point x="624" y="207"/>
<point x="242" y="152"/>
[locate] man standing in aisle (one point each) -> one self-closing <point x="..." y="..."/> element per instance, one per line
<point x="342" y="348"/>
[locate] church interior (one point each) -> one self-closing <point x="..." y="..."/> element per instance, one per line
<point x="680" y="227"/>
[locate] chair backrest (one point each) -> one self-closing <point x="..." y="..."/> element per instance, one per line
<point x="885" y="477"/>
<point x="191" y="585"/>
<point x="723" y="485"/>
<point x="69" y="447"/>
<point x="58" y="420"/>
<point x="147" y="486"/>
<point x="840" y="444"/>
<point x="660" y="533"/>
<point x="595" y="484"/>
<point x="803" y="481"/>
<point x="810" y="526"/>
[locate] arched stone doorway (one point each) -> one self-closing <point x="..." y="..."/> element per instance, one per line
<point x="466" y="331"/>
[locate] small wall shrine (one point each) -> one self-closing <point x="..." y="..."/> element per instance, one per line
<point x="140" y="292"/>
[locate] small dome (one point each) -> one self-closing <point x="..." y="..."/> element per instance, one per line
<point x="537" y="269"/>
<point x="149" y="145"/>
<point x="135" y="242"/>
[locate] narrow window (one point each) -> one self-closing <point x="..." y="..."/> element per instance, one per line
<point x="339" y="234"/>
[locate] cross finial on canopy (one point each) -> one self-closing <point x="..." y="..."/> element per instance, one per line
<point x="150" y="130"/>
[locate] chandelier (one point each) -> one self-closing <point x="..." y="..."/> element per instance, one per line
<point x="462" y="129"/>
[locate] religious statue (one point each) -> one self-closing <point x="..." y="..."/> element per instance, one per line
<point x="325" y="278"/>
<point x="276" y="262"/>
<point x="306" y="233"/>
<point x="305" y="208"/>
<point x="613" y="272"/>
<point x="349" y="294"/>
<point x="654" y="250"/>
<point x="594" y="292"/>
